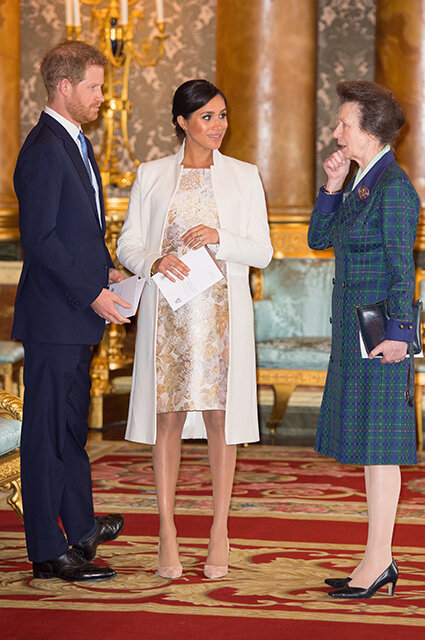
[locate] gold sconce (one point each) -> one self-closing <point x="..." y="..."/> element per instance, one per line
<point x="117" y="23"/>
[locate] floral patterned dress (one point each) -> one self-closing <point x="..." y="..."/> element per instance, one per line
<point x="192" y="343"/>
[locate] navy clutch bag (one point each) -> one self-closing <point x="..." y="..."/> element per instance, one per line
<point x="372" y="319"/>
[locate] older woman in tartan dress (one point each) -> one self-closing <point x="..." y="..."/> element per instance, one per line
<point x="364" y="418"/>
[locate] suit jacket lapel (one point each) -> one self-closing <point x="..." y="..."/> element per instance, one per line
<point x="76" y="158"/>
<point x="75" y="155"/>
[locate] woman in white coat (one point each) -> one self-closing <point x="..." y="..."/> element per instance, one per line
<point x="194" y="369"/>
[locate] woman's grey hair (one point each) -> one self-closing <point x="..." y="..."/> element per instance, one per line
<point x="380" y="113"/>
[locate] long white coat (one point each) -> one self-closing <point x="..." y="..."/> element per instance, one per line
<point x="244" y="241"/>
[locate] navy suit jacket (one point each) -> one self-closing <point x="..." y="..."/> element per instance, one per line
<point x="66" y="261"/>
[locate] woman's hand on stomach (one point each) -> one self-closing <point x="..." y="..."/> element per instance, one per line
<point x="199" y="236"/>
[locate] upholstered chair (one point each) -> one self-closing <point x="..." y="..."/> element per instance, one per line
<point x="10" y="434"/>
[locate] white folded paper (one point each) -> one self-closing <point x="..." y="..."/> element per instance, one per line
<point x="204" y="272"/>
<point x="129" y="290"/>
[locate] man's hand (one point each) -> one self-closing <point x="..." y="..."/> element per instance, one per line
<point x="115" y="276"/>
<point x="105" y="308"/>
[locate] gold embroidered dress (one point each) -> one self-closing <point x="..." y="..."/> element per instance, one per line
<point x="192" y="343"/>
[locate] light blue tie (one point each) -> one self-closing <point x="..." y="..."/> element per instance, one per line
<point x="83" y="143"/>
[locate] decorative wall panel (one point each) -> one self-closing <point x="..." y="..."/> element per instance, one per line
<point x="189" y="53"/>
<point x="346" y="49"/>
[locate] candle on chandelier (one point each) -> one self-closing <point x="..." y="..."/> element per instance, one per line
<point x="159" y="10"/>
<point x="124" y="11"/>
<point x="77" y="19"/>
<point x="69" y="14"/>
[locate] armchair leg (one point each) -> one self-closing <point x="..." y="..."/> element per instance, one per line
<point x="418" y="411"/>
<point x="282" y="393"/>
<point x="15" y="499"/>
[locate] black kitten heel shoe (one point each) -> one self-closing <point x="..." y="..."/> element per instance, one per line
<point x="388" y="577"/>
<point x="337" y="583"/>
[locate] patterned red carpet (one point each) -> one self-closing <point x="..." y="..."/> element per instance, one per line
<point x="296" y="518"/>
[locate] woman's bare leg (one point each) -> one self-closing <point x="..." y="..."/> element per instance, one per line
<point x="222" y="463"/>
<point x="367" y="486"/>
<point x="166" y="462"/>
<point x="383" y="484"/>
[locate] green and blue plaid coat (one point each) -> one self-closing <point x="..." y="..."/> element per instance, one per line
<point x="364" y="417"/>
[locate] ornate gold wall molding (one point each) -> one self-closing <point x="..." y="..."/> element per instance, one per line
<point x="298" y="377"/>
<point x="290" y="241"/>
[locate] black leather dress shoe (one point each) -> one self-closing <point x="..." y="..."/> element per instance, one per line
<point x="108" y="528"/>
<point x="71" y="566"/>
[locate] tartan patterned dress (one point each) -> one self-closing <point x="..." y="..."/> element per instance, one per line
<point x="364" y="417"/>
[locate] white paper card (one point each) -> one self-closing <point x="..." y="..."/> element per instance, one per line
<point x="203" y="274"/>
<point x="365" y="354"/>
<point x="129" y="290"/>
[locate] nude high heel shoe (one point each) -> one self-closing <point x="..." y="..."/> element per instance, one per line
<point x="213" y="572"/>
<point x="172" y="572"/>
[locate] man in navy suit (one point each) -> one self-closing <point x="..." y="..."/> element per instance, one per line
<point x="61" y="306"/>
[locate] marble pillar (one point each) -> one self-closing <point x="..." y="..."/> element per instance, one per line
<point x="266" y="66"/>
<point x="9" y="115"/>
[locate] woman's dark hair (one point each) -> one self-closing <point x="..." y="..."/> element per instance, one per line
<point x="380" y="113"/>
<point x="191" y="96"/>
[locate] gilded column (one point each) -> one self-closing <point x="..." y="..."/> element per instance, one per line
<point x="266" y="66"/>
<point x="400" y="66"/>
<point x="9" y="115"/>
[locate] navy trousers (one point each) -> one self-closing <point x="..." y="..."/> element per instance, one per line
<point x="55" y="469"/>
